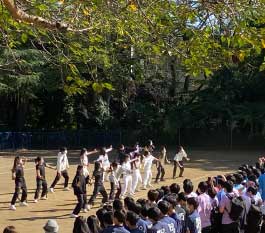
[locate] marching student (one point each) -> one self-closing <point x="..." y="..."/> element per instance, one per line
<point x="150" y="146"/>
<point x="104" y="159"/>
<point x="148" y="160"/>
<point x="20" y="182"/>
<point x="178" y="161"/>
<point x="127" y="176"/>
<point x="163" y="156"/>
<point x="62" y="166"/>
<point x="98" y="185"/>
<point x="79" y="186"/>
<point x="114" y="179"/>
<point x="160" y="171"/>
<point x="41" y="179"/>
<point x="136" y="173"/>
<point x="84" y="161"/>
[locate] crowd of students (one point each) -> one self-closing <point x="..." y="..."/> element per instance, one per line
<point x="230" y="203"/>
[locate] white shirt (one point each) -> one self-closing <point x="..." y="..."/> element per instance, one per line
<point x="126" y="168"/>
<point x="104" y="159"/>
<point x="148" y="162"/>
<point x="180" y="155"/>
<point x="84" y="160"/>
<point x="62" y="162"/>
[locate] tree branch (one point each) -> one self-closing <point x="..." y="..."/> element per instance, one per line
<point x="38" y="21"/>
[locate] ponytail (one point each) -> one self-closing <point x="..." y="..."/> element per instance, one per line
<point x="17" y="158"/>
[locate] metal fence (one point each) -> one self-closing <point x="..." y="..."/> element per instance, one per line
<point x="221" y="138"/>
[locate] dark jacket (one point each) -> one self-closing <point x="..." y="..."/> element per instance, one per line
<point x="79" y="184"/>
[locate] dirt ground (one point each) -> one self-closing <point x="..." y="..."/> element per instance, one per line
<point x="61" y="203"/>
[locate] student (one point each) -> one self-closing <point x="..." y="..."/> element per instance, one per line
<point x="131" y="221"/>
<point x="150" y="146"/>
<point x="152" y="196"/>
<point x="84" y="161"/>
<point x="262" y="184"/>
<point x="171" y="224"/>
<point x="148" y="160"/>
<point x="228" y="225"/>
<point x="154" y="214"/>
<point x="108" y="222"/>
<point x="160" y="171"/>
<point x="127" y="176"/>
<point x="119" y="220"/>
<point x="93" y="224"/>
<point x="144" y="215"/>
<point x="163" y="156"/>
<point x="205" y="207"/>
<point x="20" y="182"/>
<point x="178" y="161"/>
<point x="188" y="189"/>
<point x="40" y="179"/>
<point x="114" y="179"/>
<point x="193" y="224"/>
<point x="79" y="186"/>
<point x="136" y="176"/>
<point x="62" y="166"/>
<point x="98" y="185"/>
<point x="80" y="225"/>
<point x="104" y="159"/>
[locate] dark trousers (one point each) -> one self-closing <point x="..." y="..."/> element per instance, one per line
<point x="58" y="176"/>
<point x="81" y="198"/>
<point x="41" y="184"/>
<point x="160" y="172"/>
<point x="112" y="191"/>
<point x="207" y="229"/>
<point x="20" y="184"/>
<point x="98" y="189"/>
<point x="175" y="169"/>
<point x="230" y="228"/>
<point x="118" y="193"/>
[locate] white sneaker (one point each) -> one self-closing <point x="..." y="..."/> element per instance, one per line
<point x="88" y="207"/>
<point x="12" y="207"/>
<point x="23" y="203"/>
<point x="66" y="189"/>
<point x="84" y="210"/>
<point x="51" y="190"/>
<point x="35" y="200"/>
<point x="74" y="216"/>
<point x="44" y="198"/>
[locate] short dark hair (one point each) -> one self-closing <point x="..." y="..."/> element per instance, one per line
<point x="100" y="213"/>
<point x="164" y="207"/>
<point x="174" y="188"/>
<point x="152" y="195"/>
<point x="188" y="187"/>
<point x="203" y="186"/>
<point x="166" y="189"/>
<point x="136" y="208"/>
<point x="120" y="216"/>
<point x="172" y="199"/>
<point x="108" y="218"/>
<point x="10" y="229"/>
<point x="154" y="213"/>
<point x="128" y="201"/>
<point x="160" y="194"/>
<point x="192" y="201"/>
<point x="117" y="205"/>
<point x="182" y="197"/>
<point x="228" y="185"/>
<point x="144" y="211"/>
<point x="252" y="190"/>
<point x="132" y="218"/>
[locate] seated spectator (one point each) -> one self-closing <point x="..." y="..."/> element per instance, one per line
<point x="119" y="220"/>
<point x="154" y="214"/>
<point x="80" y="225"/>
<point x="188" y="189"/>
<point x="131" y="221"/>
<point x="108" y="222"/>
<point x="93" y="224"/>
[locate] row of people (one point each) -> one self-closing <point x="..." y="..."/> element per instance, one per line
<point x="124" y="176"/>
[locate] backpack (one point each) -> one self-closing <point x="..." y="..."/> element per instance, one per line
<point x="254" y="219"/>
<point x="216" y="219"/>
<point x="237" y="208"/>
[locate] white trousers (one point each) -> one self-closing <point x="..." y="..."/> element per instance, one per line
<point x="136" y="178"/>
<point x="147" y="177"/>
<point x="127" y="185"/>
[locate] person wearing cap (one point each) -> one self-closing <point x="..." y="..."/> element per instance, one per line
<point x="51" y="226"/>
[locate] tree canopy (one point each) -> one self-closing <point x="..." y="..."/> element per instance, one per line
<point x="131" y="63"/>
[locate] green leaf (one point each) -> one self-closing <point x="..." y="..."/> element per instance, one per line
<point x="97" y="87"/>
<point x="108" y="86"/>
<point x="24" y="38"/>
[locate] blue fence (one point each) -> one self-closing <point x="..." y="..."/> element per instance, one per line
<point x="54" y="140"/>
